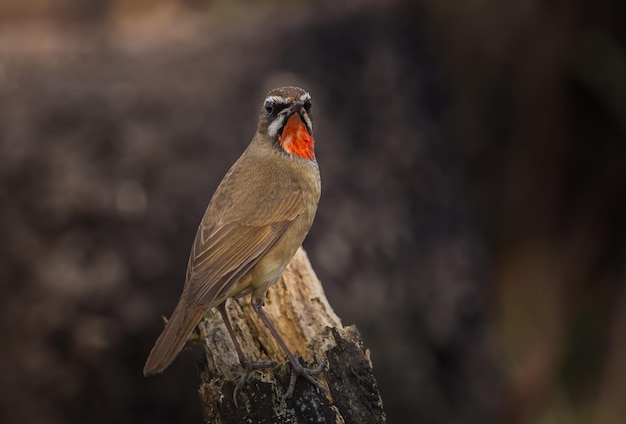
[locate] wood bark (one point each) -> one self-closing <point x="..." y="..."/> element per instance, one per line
<point x="297" y="306"/>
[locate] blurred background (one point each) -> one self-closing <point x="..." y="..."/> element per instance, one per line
<point x="471" y="223"/>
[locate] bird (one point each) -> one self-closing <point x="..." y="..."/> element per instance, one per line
<point x="257" y="218"/>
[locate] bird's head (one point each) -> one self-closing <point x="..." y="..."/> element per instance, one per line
<point x="286" y="121"/>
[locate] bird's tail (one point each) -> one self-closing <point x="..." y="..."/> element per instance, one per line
<point x="173" y="338"/>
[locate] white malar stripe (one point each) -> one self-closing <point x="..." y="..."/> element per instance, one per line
<point x="275" y="126"/>
<point x="308" y="121"/>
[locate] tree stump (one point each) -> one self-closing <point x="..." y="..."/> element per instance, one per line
<point x="297" y="306"/>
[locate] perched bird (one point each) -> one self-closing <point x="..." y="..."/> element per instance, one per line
<point x="258" y="217"/>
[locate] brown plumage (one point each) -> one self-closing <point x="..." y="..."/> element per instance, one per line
<point x="255" y="222"/>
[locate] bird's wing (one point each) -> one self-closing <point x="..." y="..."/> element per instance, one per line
<point x="224" y="252"/>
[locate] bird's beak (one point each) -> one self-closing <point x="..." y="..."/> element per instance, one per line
<point x="296" y="107"/>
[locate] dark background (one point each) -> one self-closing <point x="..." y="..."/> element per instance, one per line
<point x="471" y="223"/>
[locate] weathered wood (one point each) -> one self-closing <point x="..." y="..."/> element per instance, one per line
<point x="297" y="306"/>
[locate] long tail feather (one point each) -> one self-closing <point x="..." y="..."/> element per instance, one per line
<point x="173" y="338"/>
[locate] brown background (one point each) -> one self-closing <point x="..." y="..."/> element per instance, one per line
<point x="471" y="222"/>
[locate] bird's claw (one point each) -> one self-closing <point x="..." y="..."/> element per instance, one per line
<point x="298" y="369"/>
<point x="248" y="367"/>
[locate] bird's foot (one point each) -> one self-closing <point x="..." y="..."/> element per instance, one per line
<point x="248" y="367"/>
<point x="297" y="369"/>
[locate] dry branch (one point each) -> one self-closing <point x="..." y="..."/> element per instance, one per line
<point x="297" y="306"/>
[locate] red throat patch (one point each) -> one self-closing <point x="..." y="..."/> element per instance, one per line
<point x="295" y="138"/>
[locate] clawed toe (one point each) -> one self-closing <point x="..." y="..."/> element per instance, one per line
<point x="248" y="367"/>
<point x="299" y="370"/>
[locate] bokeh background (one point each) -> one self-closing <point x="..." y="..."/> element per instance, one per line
<point x="472" y="223"/>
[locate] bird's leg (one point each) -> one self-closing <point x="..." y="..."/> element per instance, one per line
<point x="248" y="365"/>
<point x="296" y="368"/>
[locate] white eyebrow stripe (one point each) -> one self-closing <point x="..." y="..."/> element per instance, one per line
<point x="305" y="97"/>
<point x="275" y="99"/>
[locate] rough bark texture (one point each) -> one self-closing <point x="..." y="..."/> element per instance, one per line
<point x="297" y="306"/>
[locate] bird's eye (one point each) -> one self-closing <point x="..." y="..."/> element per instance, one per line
<point x="269" y="107"/>
<point x="307" y="106"/>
